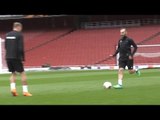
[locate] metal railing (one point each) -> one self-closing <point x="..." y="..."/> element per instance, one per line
<point x="119" y="23"/>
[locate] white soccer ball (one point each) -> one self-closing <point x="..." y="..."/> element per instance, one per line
<point x="107" y="85"/>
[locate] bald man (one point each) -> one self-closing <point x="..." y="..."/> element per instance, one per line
<point x="126" y="56"/>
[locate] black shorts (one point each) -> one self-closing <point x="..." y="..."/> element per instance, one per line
<point x="15" y="65"/>
<point x="124" y="63"/>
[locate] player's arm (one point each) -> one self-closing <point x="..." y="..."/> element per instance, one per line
<point x="21" y="47"/>
<point x="134" y="47"/>
<point x="117" y="51"/>
<point x="5" y="43"/>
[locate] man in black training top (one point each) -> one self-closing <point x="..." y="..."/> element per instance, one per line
<point x="126" y="56"/>
<point x="15" y="56"/>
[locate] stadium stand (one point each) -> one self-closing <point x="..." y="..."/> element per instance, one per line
<point x="79" y="47"/>
<point x="84" y="47"/>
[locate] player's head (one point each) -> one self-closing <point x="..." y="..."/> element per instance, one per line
<point x="17" y="26"/>
<point x="123" y="32"/>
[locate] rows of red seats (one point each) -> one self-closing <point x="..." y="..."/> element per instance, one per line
<point x="85" y="47"/>
<point x="81" y="47"/>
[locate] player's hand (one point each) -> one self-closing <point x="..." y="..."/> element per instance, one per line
<point x="130" y="57"/>
<point x="111" y="56"/>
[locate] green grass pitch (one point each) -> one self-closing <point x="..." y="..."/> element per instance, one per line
<point x="84" y="88"/>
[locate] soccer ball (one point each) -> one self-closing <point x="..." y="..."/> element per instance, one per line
<point x="107" y="85"/>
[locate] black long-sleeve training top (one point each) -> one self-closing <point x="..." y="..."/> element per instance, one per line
<point x="14" y="45"/>
<point x="124" y="47"/>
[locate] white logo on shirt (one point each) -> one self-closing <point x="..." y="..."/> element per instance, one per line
<point x="11" y="37"/>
